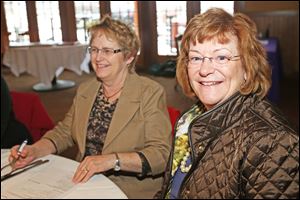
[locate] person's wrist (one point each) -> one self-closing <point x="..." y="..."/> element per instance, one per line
<point x="117" y="163"/>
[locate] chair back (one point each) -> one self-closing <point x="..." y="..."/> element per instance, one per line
<point x="29" y="110"/>
<point x="174" y="115"/>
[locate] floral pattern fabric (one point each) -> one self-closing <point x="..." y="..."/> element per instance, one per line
<point x="181" y="150"/>
<point x="98" y="124"/>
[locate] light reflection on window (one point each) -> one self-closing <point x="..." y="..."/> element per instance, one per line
<point x="226" y="5"/>
<point x="124" y="11"/>
<point x="48" y="18"/>
<point x="171" y="21"/>
<point x="87" y="14"/>
<point x="16" y="20"/>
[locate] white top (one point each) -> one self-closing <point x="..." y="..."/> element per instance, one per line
<point x="53" y="180"/>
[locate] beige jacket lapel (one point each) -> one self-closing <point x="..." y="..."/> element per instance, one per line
<point x="127" y="106"/>
<point x="86" y="100"/>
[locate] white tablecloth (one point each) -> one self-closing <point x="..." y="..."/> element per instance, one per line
<point x="46" y="62"/>
<point x="53" y="180"/>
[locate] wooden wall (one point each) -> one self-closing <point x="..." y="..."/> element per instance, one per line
<point x="282" y="19"/>
<point x="283" y="25"/>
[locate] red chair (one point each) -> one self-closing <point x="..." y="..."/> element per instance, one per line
<point x="174" y="115"/>
<point x="29" y="110"/>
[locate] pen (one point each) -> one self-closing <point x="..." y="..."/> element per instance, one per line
<point x="20" y="149"/>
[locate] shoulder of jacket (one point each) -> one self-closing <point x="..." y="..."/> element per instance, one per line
<point x="149" y="83"/>
<point x="88" y="83"/>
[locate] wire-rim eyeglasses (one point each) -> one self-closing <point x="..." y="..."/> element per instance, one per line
<point x="198" y="60"/>
<point x="105" y="51"/>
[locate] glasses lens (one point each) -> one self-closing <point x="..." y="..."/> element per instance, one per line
<point x="221" y="59"/>
<point x="108" y="52"/>
<point x="195" y="60"/>
<point x="92" y="50"/>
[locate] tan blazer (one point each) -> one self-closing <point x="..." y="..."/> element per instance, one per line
<point x="140" y="123"/>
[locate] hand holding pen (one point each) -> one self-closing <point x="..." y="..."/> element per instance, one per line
<point x="15" y="159"/>
<point x="20" y="149"/>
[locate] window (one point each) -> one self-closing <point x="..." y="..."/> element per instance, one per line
<point x="48" y="18"/>
<point x="226" y="5"/>
<point x="16" y="20"/>
<point x="171" y="21"/>
<point x="87" y="13"/>
<point x="125" y="11"/>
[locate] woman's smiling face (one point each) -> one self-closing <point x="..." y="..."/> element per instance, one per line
<point x="211" y="81"/>
<point x="108" y="68"/>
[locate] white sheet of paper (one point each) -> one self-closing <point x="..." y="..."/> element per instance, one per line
<point x="54" y="180"/>
<point x="51" y="181"/>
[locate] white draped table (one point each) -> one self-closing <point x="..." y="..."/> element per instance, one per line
<point x="47" y="62"/>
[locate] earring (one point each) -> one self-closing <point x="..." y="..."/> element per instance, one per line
<point x="245" y="77"/>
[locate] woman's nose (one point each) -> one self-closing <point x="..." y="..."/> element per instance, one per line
<point x="207" y="67"/>
<point x="99" y="56"/>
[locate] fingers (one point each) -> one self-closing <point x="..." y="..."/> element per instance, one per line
<point x="82" y="174"/>
<point x="13" y="153"/>
<point x="22" y="162"/>
<point x="91" y="165"/>
<point x="22" y="159"/>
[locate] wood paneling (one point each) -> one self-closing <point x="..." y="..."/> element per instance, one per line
<point x="105" y="8"/>
<point x="4" y="33"/>
<point x="33" y="30"/>
<point x="283" y="25"/>
<point x="266" y="6"/>
<point x="148" y="34"/>
<point x="192" y="8"/>
<point x="68" y="22"/>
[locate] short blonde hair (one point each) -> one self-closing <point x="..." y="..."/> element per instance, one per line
<point x="121" y="33"/>
<point x="217" y="23"/>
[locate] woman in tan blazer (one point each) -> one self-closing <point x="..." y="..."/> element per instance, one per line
<point x="118" y="120"/>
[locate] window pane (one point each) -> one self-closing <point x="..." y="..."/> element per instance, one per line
<point x="87" y="13"/>
<point x="124" y="11"/>
<point x="16" y="19"/>
<point x="226" y="5"/>
<point x="48" y="18"/>
<point x="171" y="21"/>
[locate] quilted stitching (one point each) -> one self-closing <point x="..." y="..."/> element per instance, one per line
<point x="250" y="152"/>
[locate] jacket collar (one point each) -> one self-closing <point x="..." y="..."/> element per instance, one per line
<point x="211" y="123"/>
<point x="127" y="106"/>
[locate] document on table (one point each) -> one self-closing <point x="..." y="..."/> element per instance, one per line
<point x="50" y="180"/>
<point x="54" y="180"/>
<point x="98" y="187"/>
<point x="50" y="183"/>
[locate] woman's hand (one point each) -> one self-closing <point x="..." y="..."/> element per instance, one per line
<point x="39" y="149"/>
<point x="27" y="156"/>
<point x="92" y="165"/>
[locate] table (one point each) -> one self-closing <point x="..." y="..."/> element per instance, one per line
<point x="53" y="180"/>
<point x="47" y="62"/>
<point x="274" y="58"/>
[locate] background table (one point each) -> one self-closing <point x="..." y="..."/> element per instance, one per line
<point x="46" y="62"/>
<point x="53" y="180"/>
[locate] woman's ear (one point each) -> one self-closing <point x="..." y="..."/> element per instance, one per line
<point x="245" y="77"/>
<point x="129" y="60"/>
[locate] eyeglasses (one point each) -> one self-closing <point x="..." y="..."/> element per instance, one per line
<point x="107" y="52"/>
<point x="217" y="59"/>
